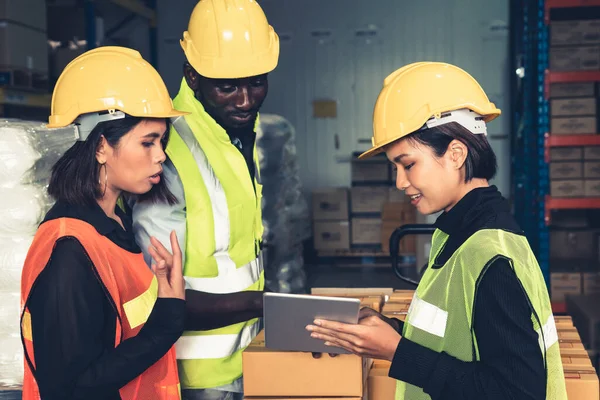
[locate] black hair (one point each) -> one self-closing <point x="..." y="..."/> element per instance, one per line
<point x="75" y="176"/>
<point x="480" y="161"/>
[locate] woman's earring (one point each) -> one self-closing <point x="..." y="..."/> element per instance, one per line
<point x="105" y="178"/>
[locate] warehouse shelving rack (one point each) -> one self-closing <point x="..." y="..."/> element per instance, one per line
<point x="532" y="138"/>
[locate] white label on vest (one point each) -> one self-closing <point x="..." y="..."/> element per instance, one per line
<point x="550" y="336"/>
<point x="214" y="346"/>
<point x="427" y="317"/>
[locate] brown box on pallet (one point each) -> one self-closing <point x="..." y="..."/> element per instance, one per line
<point x="564" y="284"/>
<point x="563" y="321"/>
<point x="575" y="32"/>
<point x="566" y="170"/>
<point x="580" y="360"/>
<point x="591" y="169"/>
<point x="331" y="235"/>
<point x="370" y="171"/>
<point x="379" y="385"/>
<point x="582" y="383"/>
<point x="394" y="216"/>
<point x="566" y="154"/>
<point x="401" y="296"/>
<point x="570" y="188"/>
<point x="573" y="89"/>
<point x="573" y="244"/>
<point x="298" y="374"/>
<point x="575" y="58"/>
<point x="23" y="48"/>
<point x="570" y="345"/>
<point x="368" y="199"/>
<point x="591" y="153"/>
<point x="591" y="188"/>
<point x="573" y="125"/>
<point x="569" y="335"/>
<point x="591" y="282"/>
<point x="573" y="107"/>
<point x="366" y="231"/>
<point x="330" y="204"/>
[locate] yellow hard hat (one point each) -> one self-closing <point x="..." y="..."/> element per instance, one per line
<point x="421" y="94"/>
<point x="110" y="79"/>
<point x="230" y="39"/>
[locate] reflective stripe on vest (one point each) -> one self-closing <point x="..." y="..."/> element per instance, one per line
<point x="441" y="317"/>
<point x="215" y="346"/>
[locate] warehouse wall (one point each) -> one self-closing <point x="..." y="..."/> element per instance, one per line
<point x="342" y="50"/>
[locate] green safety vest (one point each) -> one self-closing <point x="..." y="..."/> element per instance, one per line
<point x="441" y="313"/>
<point x="223" y="234"/>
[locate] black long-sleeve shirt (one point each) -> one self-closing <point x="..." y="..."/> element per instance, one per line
<point x="511" y="365"/>
<point x="74" y="320"/>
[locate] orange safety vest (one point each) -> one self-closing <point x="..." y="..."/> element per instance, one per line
<point x="132" y="288"/>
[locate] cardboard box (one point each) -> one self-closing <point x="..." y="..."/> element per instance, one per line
<point x="591" y="153"/>
<point x="368" y="199"/>
<point x="371" y="171"/>
<point x="572" y="89"/>
<point x="573" y="107"/>
<point x="575" y="361"/>
<point x="303" y="398"/>
<point x="331" y="235"/>
<point x="270" y="373"/>
<point x="592" y="188"/>
<point x="591" y="169"/>
<point x="570" y="345"/>
<point x="330" y="204"/>
<point x="23" y="48"/>
<point x="575" y="32"/>
<point x="394" y="216"/>
<point x="401" y="296"/>
<point x="573" y="244"/>
<point x="408" y="244"/>
<point x="591" y="282"/>
<point x="575" y="58"/>
<point x="569" y="335"/>
<point x="582" y="384"/>
<point x="379" y="385"/>
<point x="570" y="188"/>
<point x="564" y="284"/>
<point x="366" y="231"/>
<point x="563" y="321"/>
<point x="566" y="170"/>
<point x="586" y="317"/>
<point x="566" y="153"/>
<point x="31" y="13"/>
<point x="573" y="126"/>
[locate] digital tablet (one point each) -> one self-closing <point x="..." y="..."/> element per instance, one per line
<point x="287" y="315"/>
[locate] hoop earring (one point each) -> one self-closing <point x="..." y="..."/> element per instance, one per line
<point x="105" y="178"/>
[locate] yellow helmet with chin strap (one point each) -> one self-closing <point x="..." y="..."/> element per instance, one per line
<point x="230" y="39"/>
<point x="424" y="95"/>
<point x="105" y="84"/>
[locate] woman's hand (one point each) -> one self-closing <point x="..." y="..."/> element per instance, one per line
<point x="371" y="337"/>
<point x="168" y="268"/>
<point x="367" y="312"/>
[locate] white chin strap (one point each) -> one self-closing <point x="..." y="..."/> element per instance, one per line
<point x="85" y="123"/>
<point x="470" y="120"/>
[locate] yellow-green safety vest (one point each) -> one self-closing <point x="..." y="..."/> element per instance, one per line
<point x="441" y="314"/>
<point x="223" y="234"/>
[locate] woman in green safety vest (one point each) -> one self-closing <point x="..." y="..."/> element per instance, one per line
<point x="480" y="325"/>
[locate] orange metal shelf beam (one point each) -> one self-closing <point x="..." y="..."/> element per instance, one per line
<point x="563" y="77"/>
<point x="551" y="140"/>
<point x="555" y="203"/>
<point x="567" y="3"/>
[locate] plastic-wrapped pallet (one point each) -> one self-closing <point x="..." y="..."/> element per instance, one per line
<point x="285" y="211"/>
<point x="27" y="152"/>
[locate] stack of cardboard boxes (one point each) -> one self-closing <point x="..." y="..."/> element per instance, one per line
<point x="290" y="375"/>
<point x="365" y="215"/>
<point x="575" y="46"/>
<point x="23" y="44"/>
